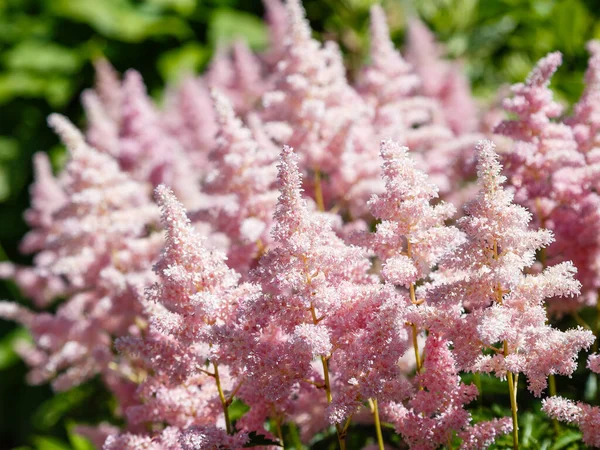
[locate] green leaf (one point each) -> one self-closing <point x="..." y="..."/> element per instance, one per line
<point x="227" y="25"/>
<point x="58" y="157"/>
<point x="20" y="27"/>
<point x="183" y="7"/>
<point x="8" y="356"/>
<point x="186" y="59"/>
<point x="49" y="443"/>
<point x="55" y="408"/>
<point x="9" y="148"/>
<point x="5" y="186"/>
<point x="596" y="32"/>
<point x="56" y="90"/>
<point x="43" y="57"/>
<point x="571" y="20"/>
<point x="565" y="439"/>
<point x="120" y="20"/>
<point x="78" y="442"/>
<point x="591" y="387"/>
<point x="237" y="409"/>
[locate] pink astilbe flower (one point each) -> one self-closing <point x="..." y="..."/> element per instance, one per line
<point x="98" y="243"/>
<point x="238" y="73"/>
<point x="318" y="297"/>
<point x="108" y="89"/>
<point x="47" y="197"/>
<point x="388" y="80"/>
<point x="410" y="240"/>
<point x="586" y="113"/>
<point x="438" y="410"/>
<point x="411" y="237"/>
<point x="276" y="18"/>
<point x="102" y="132"/>
<point x="441" y="79"/>
<point x="547" y="167"/>
<point x="542" y="147"/>
<point x="148" y="151"/>
<point x="191" y="322"/>
<point x="244" y="175"/>
<point x="594" y="363"/>
<point x="405" y="114"/>
<point x="197" y="295"/>
<point x="586" y="417"/>
<point x="312" y="108"/>
<point x="311" y="102"/>
<point x="103" y="107"/>
<point x="501" y="305"/>
<point x="167" y="439"/>
<point x="105" y="207"/>
<point x="483" y="434"/>
<point x="189" y="118"/>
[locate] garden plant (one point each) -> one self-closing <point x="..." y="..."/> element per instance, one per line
<point x="287" y="253"/>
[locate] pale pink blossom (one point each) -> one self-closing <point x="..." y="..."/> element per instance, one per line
<point x="441" y="79"/>
<point x="500" y="304"/>
<point x="586" y="417"/>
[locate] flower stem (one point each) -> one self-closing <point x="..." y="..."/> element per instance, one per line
<point x="341" y="433"/>
<point x="512" y="392"/>
<point x="415" y="331"/>
<point x="377" y="424"/>
<point x="552" y="392"/>
<point x="224" y="402"/>
<point x="512" y="379"/>
<point x="319" y="190"/>
<point x="415" y="334"/>
<point x="338" y="428"/>
<point x="279" y="433"/>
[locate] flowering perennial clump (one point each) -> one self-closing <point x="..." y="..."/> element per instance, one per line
<point x="319" y="253"/>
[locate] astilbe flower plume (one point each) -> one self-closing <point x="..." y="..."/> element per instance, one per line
<point x="124" y="122"/>
<point x="585" y="416"/>
<point x="493" y="302"/>
<point x="103" y="109"/>
<point x="243" y="175"/>
<point x="406" y="112"/>
<point x="412" y="236"/>
<point x="47" y="196"/>
<point x="100" y="244"/>
<point x="276" y="18"/>
<point x="441" y="79"/>
<point x="185" y="349"/>
<point x="586" y="113"/>
<point x="238" y="74"/>
<point x="542" y="146"/>
<point x="552" y="170"/>
<point x="312" y="107"/>
<point x="189" y="117"/>
<point x="410" y="240"/>
<point x="437" y="410"/>
<point x="317" y="303"/>
<point x="389" y="82"/>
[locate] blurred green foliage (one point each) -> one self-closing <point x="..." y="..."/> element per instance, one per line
<point x="46" y="50"/>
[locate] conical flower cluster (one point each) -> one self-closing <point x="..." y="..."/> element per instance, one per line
<point x="298" y="280"/>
